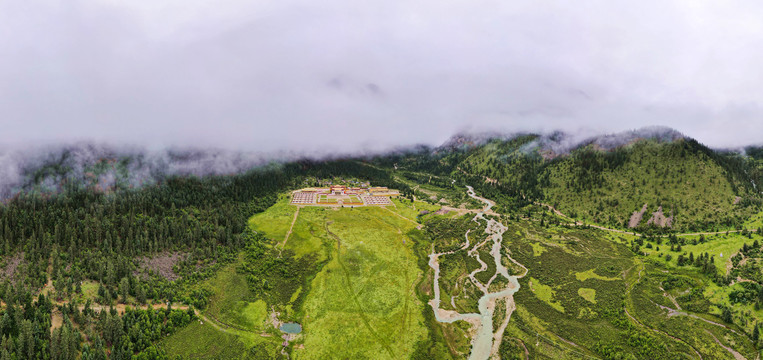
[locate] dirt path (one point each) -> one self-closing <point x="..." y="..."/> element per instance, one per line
<point x="57" y="318"/>
<point x="715" y="232"/>
<point x="733" y="352"/>
<point x="226" y="328"/>
<point x="680" y="312"/>
<point x="527" y="352"/>
<point x="288" y="233"/>
<point x="215" y="324"/>
<point x="401" y="216"/>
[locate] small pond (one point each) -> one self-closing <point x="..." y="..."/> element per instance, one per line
<point x="291" y="328"/>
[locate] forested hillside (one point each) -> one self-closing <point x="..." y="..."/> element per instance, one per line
<point x="58" y="247"/>
<point x="690" y="187"/>
<point x="684" y="185"/>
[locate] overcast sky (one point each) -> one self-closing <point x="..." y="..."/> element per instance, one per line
<point x="302" y="75"/>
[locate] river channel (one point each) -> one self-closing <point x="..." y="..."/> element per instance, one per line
<point x="486" y="340"/>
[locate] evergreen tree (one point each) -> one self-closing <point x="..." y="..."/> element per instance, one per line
<point x="755" y="334"/>
<point x="124" y="289"/>
<point x="727" y="316"/>
<point x="99" y="351"/>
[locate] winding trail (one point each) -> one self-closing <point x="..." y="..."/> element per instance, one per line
<point x="731" y="351"/>
<point x="288" y="233"/>
<point x="400" y="216"/>
<point x="221" y="326"/>
<point x="486" y="342"/>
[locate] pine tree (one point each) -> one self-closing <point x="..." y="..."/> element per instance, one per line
<point x="124" y="289"/>
<point x="99" y="352"/>
<point x="755" y="334"/>
<point x="26" y="340"/>
<point x="727" y="316"/>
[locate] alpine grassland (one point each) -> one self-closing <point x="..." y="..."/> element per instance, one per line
<point x="362" y="304"/>
<point x="276" y="221"/>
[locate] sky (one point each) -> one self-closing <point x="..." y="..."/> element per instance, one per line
<point x="293" y="75"/>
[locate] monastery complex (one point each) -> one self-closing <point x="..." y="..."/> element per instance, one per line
<point x="340" y="195"/>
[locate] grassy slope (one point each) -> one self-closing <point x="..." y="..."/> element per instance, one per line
<point x="274" y="222"/>
<point x="362" y="304"/>
<point x="231" y="303"/>
<point x="233" y="307"/>
<point x="646" y="296"/>
<point x="722" y="247"/>
<point x="551" y="307"/>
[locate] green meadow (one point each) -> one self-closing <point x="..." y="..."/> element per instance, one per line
<point x="589" y="293"/>
<point x="362" y="303"/>
<point x="359" y="302"/>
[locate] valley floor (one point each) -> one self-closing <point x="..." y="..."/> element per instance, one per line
<point x="583" y="292"/>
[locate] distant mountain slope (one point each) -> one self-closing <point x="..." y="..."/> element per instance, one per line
<point x="513" y="160"/>
<point x="607" y="179"/>
<point x="608" y="187"/>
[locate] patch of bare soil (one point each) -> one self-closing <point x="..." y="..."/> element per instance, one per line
<point x="161" y="264"/>
<point x="442" y="211"/>
<point x="548" y="154"/>
<point x="658" y="218"/>
<point x="636" y="217"/>
<point x="56" y="320"/>
<point x="9" y="272"/>
<point x="737" y="200"/>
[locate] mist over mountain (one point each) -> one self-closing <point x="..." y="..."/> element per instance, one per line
<point x="106" y="167"/>
<point x="561" y="142"/>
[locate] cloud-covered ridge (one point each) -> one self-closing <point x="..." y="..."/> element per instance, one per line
<point x="101" y="167"/>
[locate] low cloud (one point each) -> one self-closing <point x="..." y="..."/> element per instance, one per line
<point x="105" y="167"/>
<point x="341" y="76"/>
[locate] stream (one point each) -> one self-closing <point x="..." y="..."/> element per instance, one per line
<point x="486" y="340"/>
